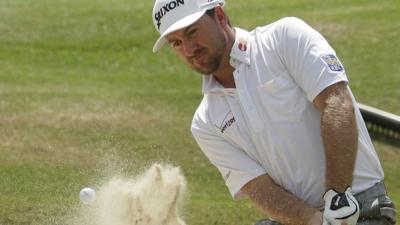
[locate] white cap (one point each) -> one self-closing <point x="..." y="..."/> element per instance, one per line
<point x="172" y="15"/>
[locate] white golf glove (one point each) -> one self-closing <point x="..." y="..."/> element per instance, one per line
<point x="340" y="208"/>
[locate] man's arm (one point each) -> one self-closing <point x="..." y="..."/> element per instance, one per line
<point x="280" y="204"/>
<point x="339" y="133"/>
<point x="340" y="136"/>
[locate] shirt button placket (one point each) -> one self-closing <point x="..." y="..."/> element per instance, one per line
<point x="247" y="104"/>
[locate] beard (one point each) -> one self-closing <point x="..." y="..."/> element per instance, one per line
<point x="209" y="65"/>
<point x="207" y="62"/>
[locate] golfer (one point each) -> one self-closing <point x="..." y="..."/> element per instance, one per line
<point x="278" y="118"/>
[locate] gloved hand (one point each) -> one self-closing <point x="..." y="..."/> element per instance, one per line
<point x="340" y="208"/>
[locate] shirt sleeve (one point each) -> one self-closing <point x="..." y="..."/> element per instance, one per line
<point x="308" y="57"/>
<point x="235" y="166"/>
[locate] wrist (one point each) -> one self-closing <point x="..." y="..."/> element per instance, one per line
<point x="338" y="185"/>
<point x="341" y="207"/>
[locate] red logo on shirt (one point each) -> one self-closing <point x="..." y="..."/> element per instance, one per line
<point x="242" y="45"/>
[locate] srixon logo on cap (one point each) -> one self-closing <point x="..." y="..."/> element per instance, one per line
<point x="165" y="9"/>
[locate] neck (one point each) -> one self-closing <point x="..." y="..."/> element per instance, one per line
<point x="224" y="74"/>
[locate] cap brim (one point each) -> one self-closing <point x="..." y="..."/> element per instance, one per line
<point x="184" y="22"/>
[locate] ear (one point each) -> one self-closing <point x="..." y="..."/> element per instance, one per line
<point x="221" y="16"/>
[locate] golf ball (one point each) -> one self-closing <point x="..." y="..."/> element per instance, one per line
<point x="87" y="195"/>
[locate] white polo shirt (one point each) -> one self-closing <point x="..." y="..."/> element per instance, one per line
<point x="268" y="123"/>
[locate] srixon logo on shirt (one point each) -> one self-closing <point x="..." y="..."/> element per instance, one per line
<point x="228" y="124"/>
<point x="165" y="9"/>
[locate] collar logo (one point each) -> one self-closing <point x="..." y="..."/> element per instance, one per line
<point x="242" y="44"/>
<point x="165" y="9"/>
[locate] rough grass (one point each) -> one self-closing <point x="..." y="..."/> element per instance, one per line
<point x="82" y="97"/>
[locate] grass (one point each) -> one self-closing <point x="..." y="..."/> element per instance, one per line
<point x="83" y="97"/>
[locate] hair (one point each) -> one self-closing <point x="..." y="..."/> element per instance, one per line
<point x="211" y="13"/>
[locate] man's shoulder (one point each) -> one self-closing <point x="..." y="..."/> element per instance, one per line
<point x="210" y="106"/>
<point x="205" y="104"/>
<point x="201" y="112"/>
<point x="282" y="32"/>
<point x="201" y="121"/>
<point x="289" y="20"/>
<point x="283" y="23"/>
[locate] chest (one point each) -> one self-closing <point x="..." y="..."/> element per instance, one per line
<point x="266" y="100"/>
<point x="266" y="96"/>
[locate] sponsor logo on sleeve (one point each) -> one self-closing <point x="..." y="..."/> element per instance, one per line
<point x="332" y="62"/>
<point x="227" y="124"/>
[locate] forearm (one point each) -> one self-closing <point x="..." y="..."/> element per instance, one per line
<point x="280" y="204"/>
<point x="340" y="139"/>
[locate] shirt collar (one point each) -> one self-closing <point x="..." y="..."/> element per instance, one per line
<point x="240" y="53"/>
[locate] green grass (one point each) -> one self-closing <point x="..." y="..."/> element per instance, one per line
<point x="82" y="97"/>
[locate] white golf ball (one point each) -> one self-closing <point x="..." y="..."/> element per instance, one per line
<point x="87" y="195"/>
